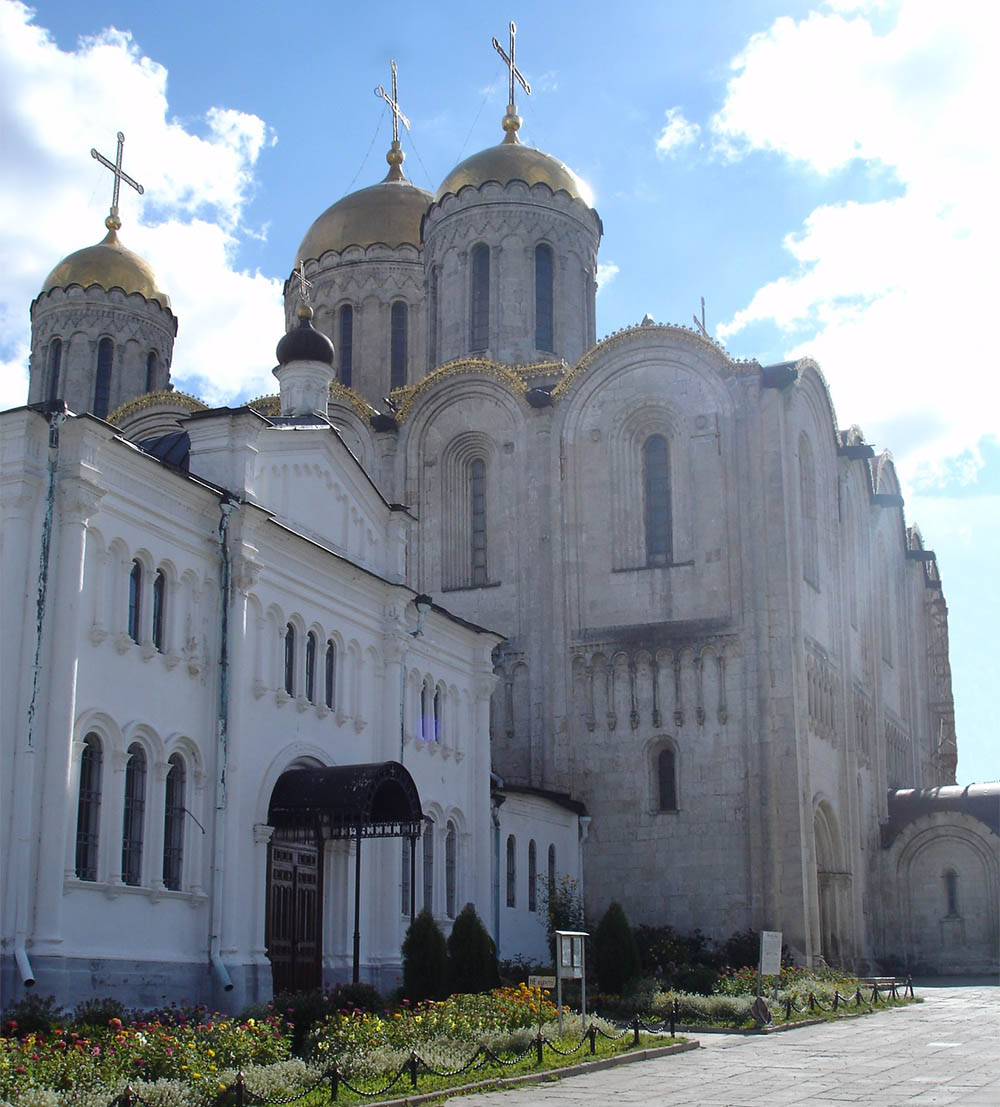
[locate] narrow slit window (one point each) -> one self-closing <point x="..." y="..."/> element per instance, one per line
<point x="159" y="609"/>
<point x="290" y="659"/>
<point x="951" y="892"/>
<point x="511" y="871"/>
<point x="666" y="772"/>
<point x="450" y="869"/>
<point x="428" y="860"/>
<point x="102" y="382"/>
<point x="477" y="490"/>
<point x="532" y="876"/>
<point x="479" y="315"/>
<point x="438" y="715"/>
<point x="311" y="667"/>
<point x="152" y="370"/>
<point x="55" y="367"/>
<point x="88" y="811"/>
<point x="135" y="601"/>
<point x="544" y="314"/>
<point x="173" y="823"/>
<point x="398" y="325"/>
<point x="552" y="869"/>
<point x="134" y="815"/>
<point x="346" y="344"/>
<point x="330" y="675"/>
<point x="656" y="479"/>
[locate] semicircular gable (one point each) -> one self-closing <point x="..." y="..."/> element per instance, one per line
<point x="413" y="398"/>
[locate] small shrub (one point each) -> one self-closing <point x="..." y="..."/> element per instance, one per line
<point x="699" y="979"/>
<point x="425" y="960"/>
<point x="99" y="1011"/>
<point x="32" y="1015"/>
<point x="472" y="956"/>
<point x="357" y="997"/>
<point x="615" y="954"/>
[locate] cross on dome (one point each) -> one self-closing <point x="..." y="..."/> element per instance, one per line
<point x="512" y="121"/>
<point x="393" y="102"/>
<point x="113" y="222"/>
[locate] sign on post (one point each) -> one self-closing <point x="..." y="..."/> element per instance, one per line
<point x="571" y="964"/>
<point x="541" y="982"/>
<point x="770" y="952"/>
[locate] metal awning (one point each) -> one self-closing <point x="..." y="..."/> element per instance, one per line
<point x="348" y="801"/>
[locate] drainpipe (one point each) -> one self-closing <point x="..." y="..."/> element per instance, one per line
<point x="26" y="776"/>
<point x="222" y="744"/>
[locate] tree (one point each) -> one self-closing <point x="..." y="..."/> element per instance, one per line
<point x="562" y="906"/>
<point x="425" y="960"/>
<point x="615" y="952"/>
<point x="472" y="956"/>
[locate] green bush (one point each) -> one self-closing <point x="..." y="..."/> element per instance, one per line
<point x="99" y="1011"/>
<point x="425" y="960"/>
<point x="662" y="950"/>
<point x="32" y="1015"/>
<point x="616" y="957"/>
<point x="699" y="979"/>
<point x="472" y="956"/>
<point x="561" y="904"/>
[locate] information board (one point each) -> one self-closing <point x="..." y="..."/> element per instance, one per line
<point x="770" y="952"/>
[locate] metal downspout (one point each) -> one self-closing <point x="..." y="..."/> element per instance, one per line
<point x="222" y="746"/>
<point x="495" y="803"/>
<point x="26" y="776"/>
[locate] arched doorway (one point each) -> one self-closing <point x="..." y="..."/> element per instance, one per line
<point x="831" y="881"/>
<point x="309" y="807"/>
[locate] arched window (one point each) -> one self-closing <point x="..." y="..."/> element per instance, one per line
<point x="88" y="811"/>
<point x="479" y="315"/>
<point x="552" y="868"/>
<point x="532" y="876"/>
<point x="330" y="675"/>
<point x="152" y="370"/>
<point x="173" y="823"/>
<point x="807" y="496"/>
<point x="55" y="366"/>
<point x="666" y="780"/>
<point x="477" y="490"/>
<point x="290" y="659"/>
<point x="426" y="719"/>
<point x="346" y="344"/>
<point x="544" y="329"/>
<point x="102" y="383"/>
<point x="159" y="609"/>
<point x="656" y="482"/>
<point x="951" y="892"/>
<point x="428" y="864"/>
<point x="450" y="869"/>
<point x="135" y="601"/>
<point x="134" y="815"/>
<point x="438" y="715"/>
<point x="511" y="871"/>
<point x="397" y="344"/>
<point x="311" y="667"/>
<point x="432" y="319"/>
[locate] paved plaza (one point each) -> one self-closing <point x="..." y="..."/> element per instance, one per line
<point x="943" y="1051"/>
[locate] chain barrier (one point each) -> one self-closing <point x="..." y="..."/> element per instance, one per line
<point x="879" y="994"/>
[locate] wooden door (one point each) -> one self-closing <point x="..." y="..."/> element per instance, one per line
<point x="294" y="913"/>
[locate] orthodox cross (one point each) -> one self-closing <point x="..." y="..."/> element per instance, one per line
<point x="393" y="102"/>
<point x="700" y="323"/>
<point x="304" y="284"/>
<point x="120" y="174"/>
<point x="509" y="62"/>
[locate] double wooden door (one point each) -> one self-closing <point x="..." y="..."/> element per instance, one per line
<point x="294" y="912"/>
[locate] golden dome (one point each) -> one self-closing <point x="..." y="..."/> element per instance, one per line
<point x="109" y="265"/>
<point x="388" y="212"/>
<point x="512" y="161"/>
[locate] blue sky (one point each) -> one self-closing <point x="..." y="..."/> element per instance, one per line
<point x="824" y="174"/>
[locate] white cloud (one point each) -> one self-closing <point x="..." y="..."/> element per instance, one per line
<point x="55" y="105"/>
<point x="678" y="133"/>
<point x="606" y="273"/>
<point x="890" y="295"/>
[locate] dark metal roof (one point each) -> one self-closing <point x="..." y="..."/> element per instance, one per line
<point x="981" y="801"/>
<point x="378" y="800"/>
<point x="173" y="449"/>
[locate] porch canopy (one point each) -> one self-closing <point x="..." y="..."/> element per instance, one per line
<point x="351" y="801"/>
<point x="348" y="801"/>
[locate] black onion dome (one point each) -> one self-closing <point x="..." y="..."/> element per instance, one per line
<point x="304" y="343"/>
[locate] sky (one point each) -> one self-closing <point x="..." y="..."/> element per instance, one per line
<point x="823" y="173"/>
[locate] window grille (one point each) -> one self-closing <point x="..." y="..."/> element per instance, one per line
<point x="666" y="772"/>
<point x="88" y="812"/>
<point x="479" y="316"/>
<point x="398" y="324"/>
<point x="173" y="823"/>
<point x="544" y="308"/>
<point x="134" y="815"/>
<point x="477" y="489"/>
<point x="346" y="344"/>
<point x="102" y="383"/>
<point x="656" y="479"/>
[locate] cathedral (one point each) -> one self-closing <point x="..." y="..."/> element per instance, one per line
<point x="474" y="603"/>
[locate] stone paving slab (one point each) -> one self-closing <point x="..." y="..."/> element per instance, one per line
<point x="944" y="1052"/>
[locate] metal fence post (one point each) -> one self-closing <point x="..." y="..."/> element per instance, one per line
<point x="635" y="1030"/>
<point x="592" y="1035"/>
<point x="674" y="1009"/>
<point x="240" y="1086"/>
<point x="334" y="1073"/>
<point x="539" y="1042"/>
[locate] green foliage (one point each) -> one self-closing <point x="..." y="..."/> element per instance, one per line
<point x="662" y="951"/>
<point x="425" y="960"/>
<point x="472" y="956"/>
<point x="699" y="979"/>
<point x="560" y="902"/>
<point x="616" y="957"/>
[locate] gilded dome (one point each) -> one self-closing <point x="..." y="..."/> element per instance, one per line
<point x="389" y="212"/>
<point x="512" y="161"/>
<point x="108" y="265"/>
